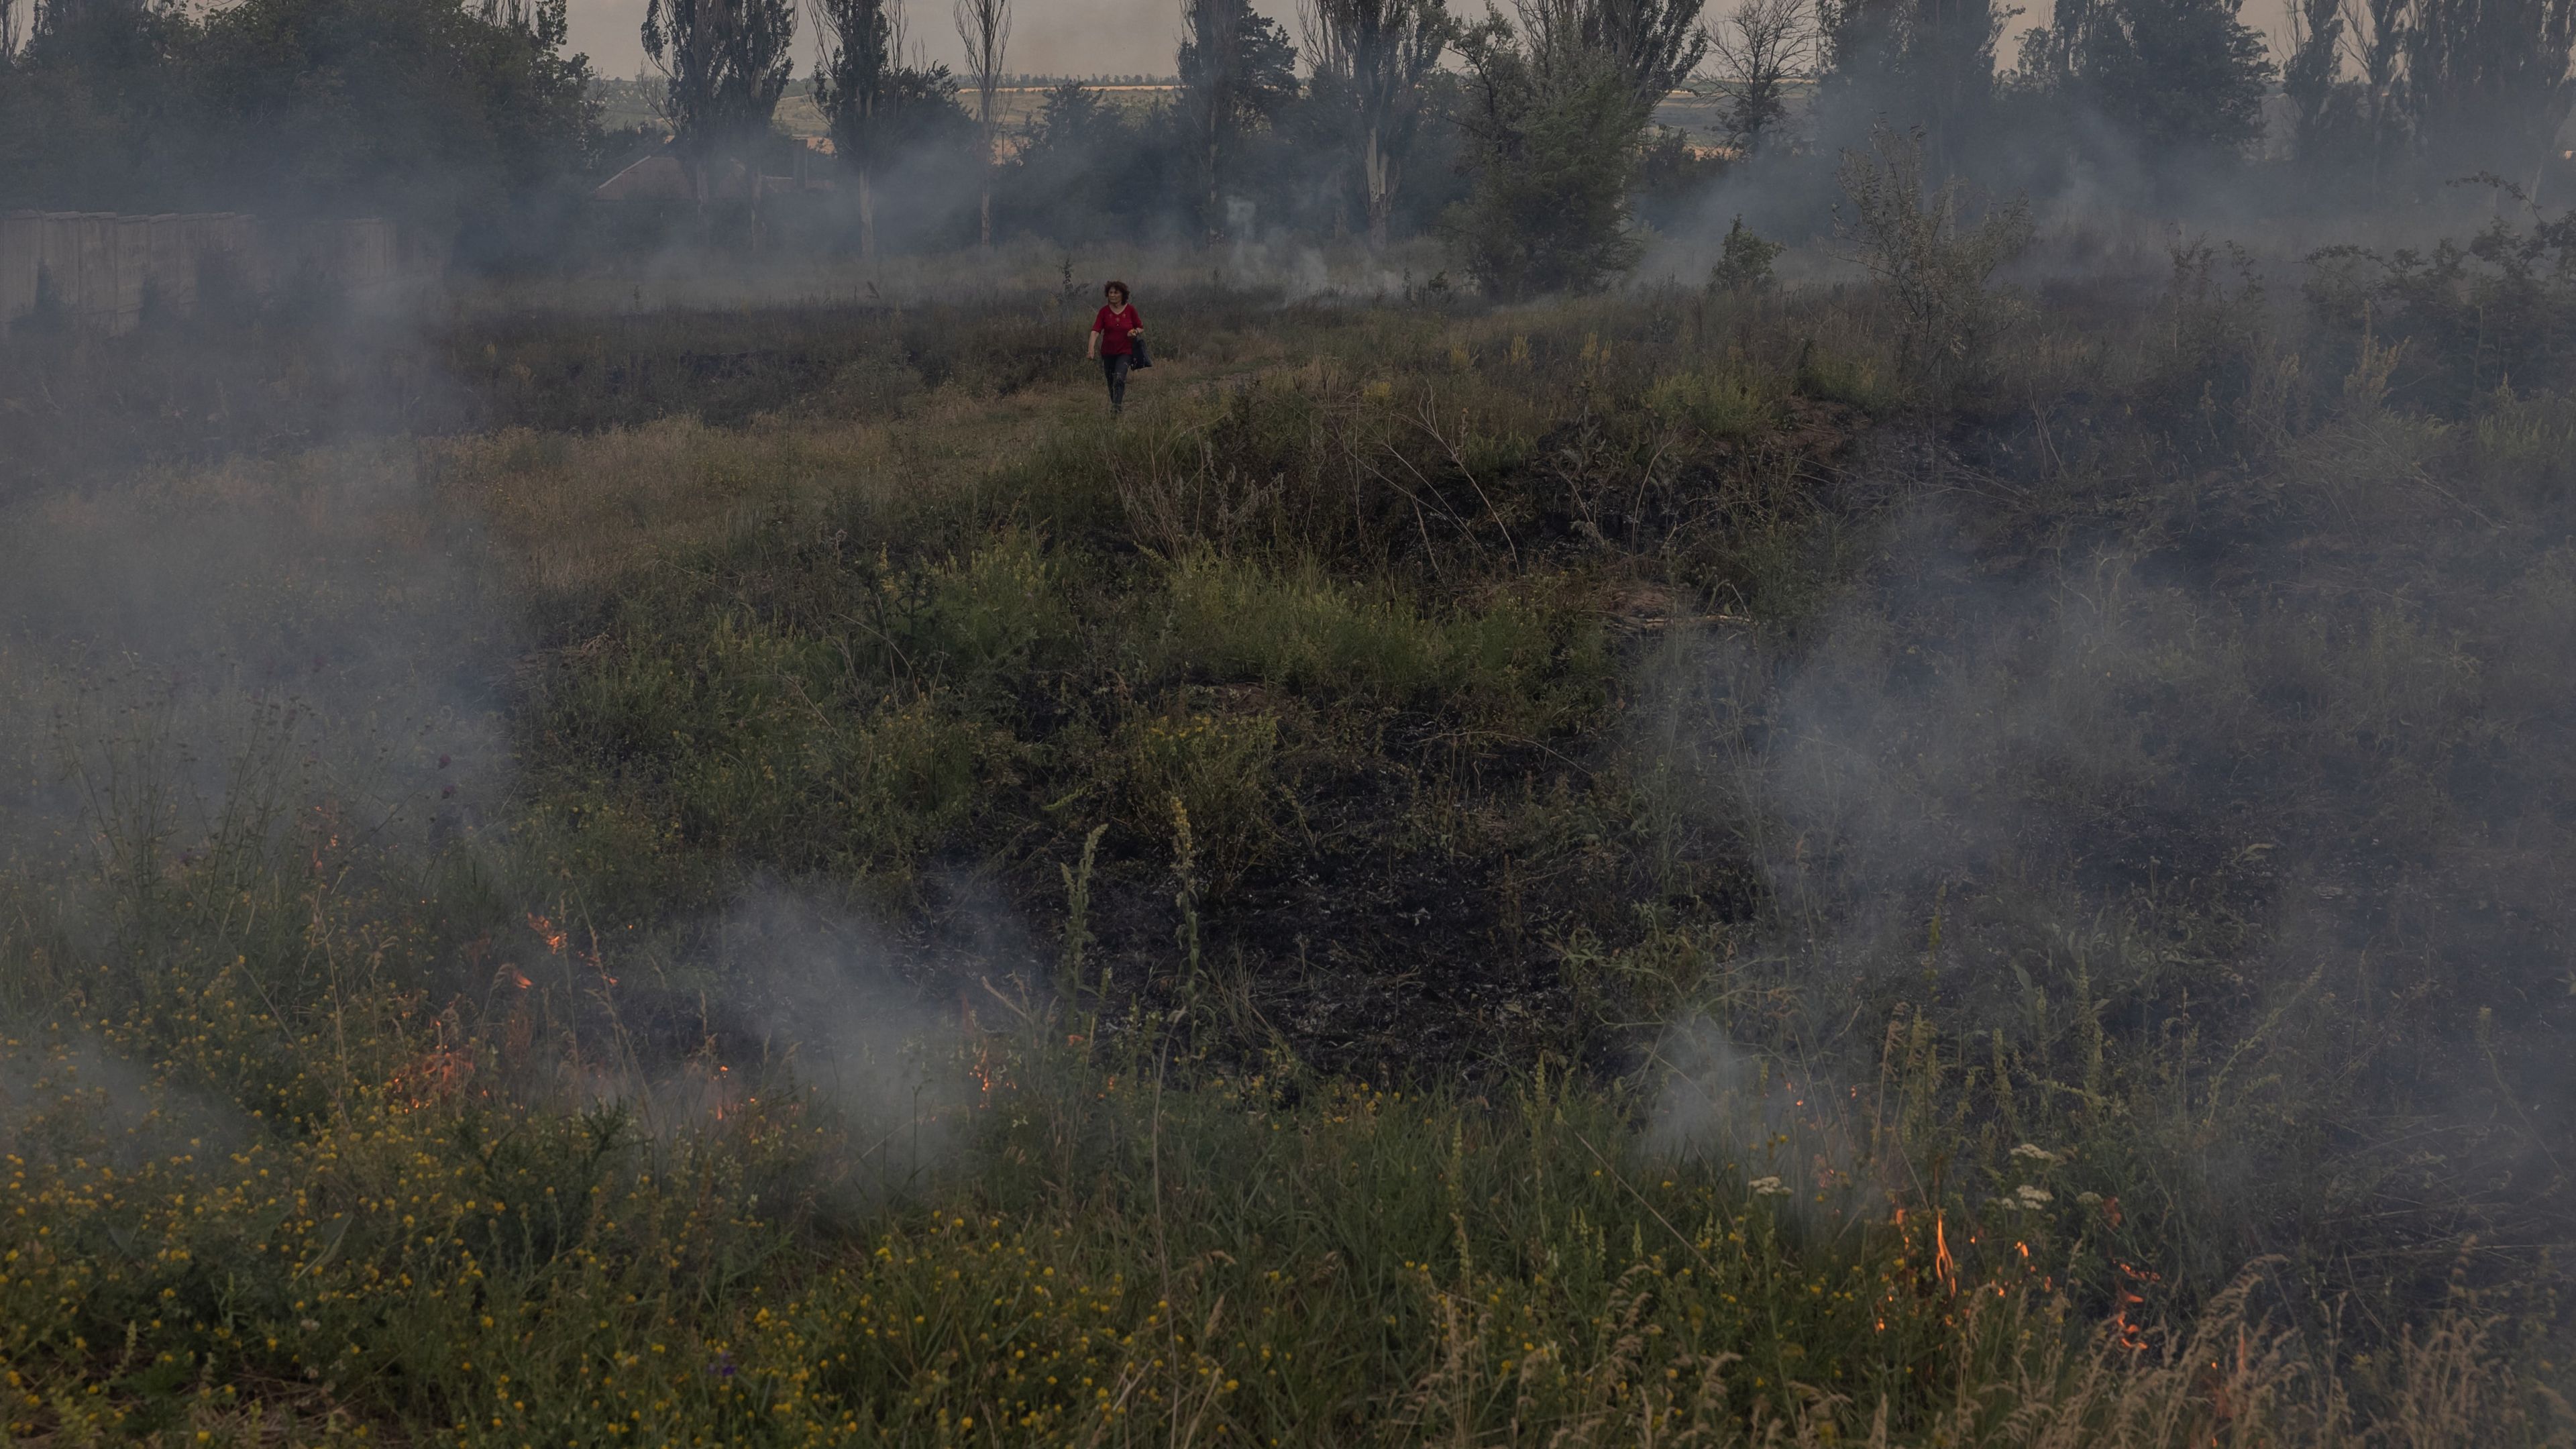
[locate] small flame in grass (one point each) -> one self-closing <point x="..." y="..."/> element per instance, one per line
<point x="2125" y="1331"/>
<point x="725" y="1095"/>
<point x="439" y="1073"/>
<point x="1944" y="1267"/>
<point x="547" y="933"/>
<point x="987" y="1073"/>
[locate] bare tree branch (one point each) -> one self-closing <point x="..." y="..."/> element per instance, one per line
<point x="1763" y="46"/>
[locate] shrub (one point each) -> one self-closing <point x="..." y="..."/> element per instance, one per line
<point x="1743" y="261"/>
<point x="1934" y="268"/>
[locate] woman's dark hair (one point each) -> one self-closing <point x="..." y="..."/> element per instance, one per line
<point x="1120" y="288"/>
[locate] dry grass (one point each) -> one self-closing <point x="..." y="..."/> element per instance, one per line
<point x="998" y="917"/>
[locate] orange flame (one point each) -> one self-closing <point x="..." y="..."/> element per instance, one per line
<point x="2126" y="1332"/>
<point x="439" y="1073"/>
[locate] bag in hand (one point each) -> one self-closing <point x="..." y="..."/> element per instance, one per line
<point x="1137" y="359"/>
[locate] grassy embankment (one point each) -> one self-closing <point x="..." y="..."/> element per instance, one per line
<point x="1614" y="874"/>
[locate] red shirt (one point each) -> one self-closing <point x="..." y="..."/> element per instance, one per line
<point x="1113" y="327"/>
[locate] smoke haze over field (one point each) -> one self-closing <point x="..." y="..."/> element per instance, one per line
<point x="198" y="652"/>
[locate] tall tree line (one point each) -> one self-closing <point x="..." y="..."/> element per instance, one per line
<point x="1535" y="155"/>
<point x="2395" y="92"/>
<point x="459" y="116"/>
<point x="2382" y="95"/>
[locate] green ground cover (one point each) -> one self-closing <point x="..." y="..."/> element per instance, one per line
<point x="1699" y="867"/>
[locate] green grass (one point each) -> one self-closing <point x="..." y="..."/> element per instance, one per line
<point x="1582" y="876"/>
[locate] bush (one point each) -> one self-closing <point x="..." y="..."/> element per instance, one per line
<point x="1934" y="271"/>
<point x="1554" y="152"/>
<point x="1743" y="261"/>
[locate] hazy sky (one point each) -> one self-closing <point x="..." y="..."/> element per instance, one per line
<point x="1111" y="37"/>
<point x="1048" y="37"/>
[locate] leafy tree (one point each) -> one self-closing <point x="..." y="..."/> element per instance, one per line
<point x="1066" y="155"/>
<point x="1926" y="63"/>
<point x="2180" y="79"/>
<point x="2488" y="81"/>
<point x="2310" y="78"/>
<point x="352" y="119"/>
<point x="881" y="112"/>
<point x="1915" y="238"/>
<point x="857" y="85"/>
<point x="1372" y="62"/>
<point x="1653" y="44"/>
<point x="1553" y="130"/>
<point x="727" y="62"/>
<point x="88" y="103"/>
<point x="442" y="115"/>
<point x="1744" y="262"/>
<point x="1237" y="70"/>
<point x="1671" y="177"/>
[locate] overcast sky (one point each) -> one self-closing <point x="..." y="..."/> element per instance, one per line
<point x="1106" y="37"/>
<point x="1048" y="37"/>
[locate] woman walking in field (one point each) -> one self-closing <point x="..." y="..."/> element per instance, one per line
<point x="1118" y="340"/>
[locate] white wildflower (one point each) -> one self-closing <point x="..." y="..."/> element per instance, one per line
<point x="2034" y="1152"/>
<point x="2032" y="1195"/>
<point x="1769" y="1187"/>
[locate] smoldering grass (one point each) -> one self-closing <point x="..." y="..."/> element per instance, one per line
<point x="2087" y="856"/>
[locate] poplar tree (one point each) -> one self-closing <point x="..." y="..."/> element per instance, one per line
<point x="984" y="28"/>
<point x="856" y="84"/>
<point x="1236" y="69"/>
<point x="2182" y="80"/>
<point x="1928" y="63"/>
<point x="2487" y="82"/>
<point x="1377" y="56"/>
<point x="727" y="63"/>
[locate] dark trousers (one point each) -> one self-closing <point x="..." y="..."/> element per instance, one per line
<point x="1114" y="366"/>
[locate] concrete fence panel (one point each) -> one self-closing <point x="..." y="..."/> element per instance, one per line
<point x="21" y="251"/>
<point x="100" y="268"/>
